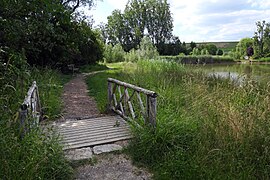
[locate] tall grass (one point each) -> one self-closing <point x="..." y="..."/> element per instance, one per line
<point x="36" y="155"/>
<point x="207" y="127"/>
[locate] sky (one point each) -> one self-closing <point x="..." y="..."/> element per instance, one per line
<point x="203" y="20"/>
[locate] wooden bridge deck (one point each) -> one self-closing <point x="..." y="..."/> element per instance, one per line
<point x="93" y="131"/>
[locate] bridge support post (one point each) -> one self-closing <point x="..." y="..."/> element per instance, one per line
<point x="152" y="110"/>
<point x="110" y="98"/>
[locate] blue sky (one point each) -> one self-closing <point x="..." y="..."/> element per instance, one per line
<point x="203" y="20"/>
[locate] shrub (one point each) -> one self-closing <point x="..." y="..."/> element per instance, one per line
<point x="114" y="53"/>
<point x="147" y="49"/>
<point x="219" y="52"/>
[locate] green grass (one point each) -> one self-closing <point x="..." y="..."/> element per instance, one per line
<point x="207" y="128"/>
<point x="265" y="59"/>
<point x="36" y="155"/>
<point x="97" y="83"/>
<point x="93" y="67"/>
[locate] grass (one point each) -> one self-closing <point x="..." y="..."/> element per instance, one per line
<point x="36" y="155"/>
<point x="207" y="128"/>
<point x="93" y="67"/>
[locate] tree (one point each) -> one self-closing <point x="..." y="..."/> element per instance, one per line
<point x="211" y="48"/>
<point x="135" y="15"/>
<point x="241" y="47"/>
<point x="75" y="4"/>
<point x="250" y="51"/>
<point x="192" y="45"/>
<point x="159" y="22"/>
<point x="219" y="52"/>
<point x="147" y="49"/>
<point x="47" y="33"/>
<point x="262" y="39"/>
<point x="140" y="17"/>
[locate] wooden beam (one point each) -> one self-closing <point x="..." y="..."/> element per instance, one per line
<point x="139" y="89"/>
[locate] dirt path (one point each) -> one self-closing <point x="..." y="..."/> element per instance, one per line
<point x="78" y="105"/>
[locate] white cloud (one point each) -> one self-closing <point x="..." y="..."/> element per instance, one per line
<point x="205" y="20"/>
<point x="212" y="20"/>
<point x="264" y="4"/>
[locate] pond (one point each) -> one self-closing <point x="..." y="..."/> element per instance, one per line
<point x="238" y="72"/>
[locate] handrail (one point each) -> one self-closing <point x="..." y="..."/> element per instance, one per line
<point x="30" y="109"/>
<point x="123" y="104"/>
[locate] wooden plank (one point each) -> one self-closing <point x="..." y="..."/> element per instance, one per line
<point x="83" y="141"/>
<point x="97" y="142"/>
<point x="90" y="132"/>
<point x="95" y="128"/>
<point x="94" y="120"/>
<point x="89" y="124"/>
<point x="94" y="137"/>
<point x="86" y="125"/>
<point x="95" y="131"/>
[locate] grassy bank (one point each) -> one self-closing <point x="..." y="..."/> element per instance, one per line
<point x="202" y="59"/>
<point x="36" y="156"/>
<point x="207" y="128"/>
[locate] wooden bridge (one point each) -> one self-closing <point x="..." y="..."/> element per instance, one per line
<point x="141" y="104"/>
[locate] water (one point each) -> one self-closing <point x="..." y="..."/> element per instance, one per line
<point x="238" y="72"/>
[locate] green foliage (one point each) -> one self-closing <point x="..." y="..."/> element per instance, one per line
<point x="36" y="156"/>
<point x="204" y="51"/>
<point x="47" y="33"/>
<point x="241" y="47"/>
<point x="211" y="48"/>
<point x="92" y="68"/>
<point x="198" y="59"/>
<point x="196" y="52"/>
<point x="147" y="50"/>
<point x="207" y="127"/>
<point x="114" y="53"/>
<point x="128" y="28"/>
<point x="262" y="39"/>
<point x="132" y="56"/>
<point x="219" y="52"/>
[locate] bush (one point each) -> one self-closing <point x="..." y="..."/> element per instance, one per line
<point x="47" y="33"/>
<point x="219" y="52"/>
<point x="114" y="53"/>
<point x="147" y="49"/>
<point x="132" y="56"/>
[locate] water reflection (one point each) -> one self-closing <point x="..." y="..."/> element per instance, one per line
<point x="238" y="73"/>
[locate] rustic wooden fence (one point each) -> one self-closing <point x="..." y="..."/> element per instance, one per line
<point x="30" y="110"/>
<point x="126" y="100"/>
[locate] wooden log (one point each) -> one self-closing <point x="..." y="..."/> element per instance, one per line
<point x="139" y="89"/>
<point x="27" y="99"/>
<point x="130" y="104"/>
<point x="152" y="110"/>
<point x="141" y="106"/>
<point x="110" y="97"/>
<point x="120" y="100"/>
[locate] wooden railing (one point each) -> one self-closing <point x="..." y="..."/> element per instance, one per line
<point x="30" y="110"/>
<point x="132" y="106"/>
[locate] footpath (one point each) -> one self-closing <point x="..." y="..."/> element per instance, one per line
<point x="104" y="162"/>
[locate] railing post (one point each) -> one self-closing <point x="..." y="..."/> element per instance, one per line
<point x="152" y="110"/>
<point x="23" y="116"/>
<point x="110" y="95"/>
